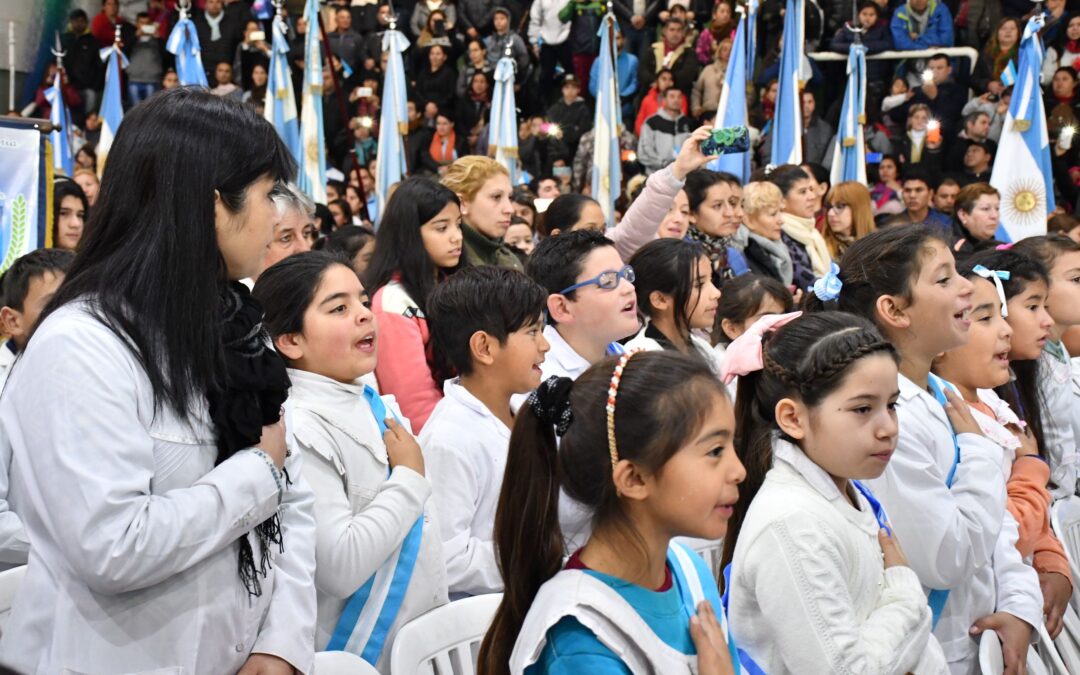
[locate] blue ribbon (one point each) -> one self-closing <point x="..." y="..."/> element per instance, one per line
<point x="828" y="287"/>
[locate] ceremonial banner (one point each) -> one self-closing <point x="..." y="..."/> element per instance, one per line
<point x="24" y="192"/>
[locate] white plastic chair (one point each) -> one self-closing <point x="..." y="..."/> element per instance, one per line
<point x="446" y="640"/>
<point x="1065" y="519"/>
<point x="9" y="584"/>
<point x="1068" y="642"/>
<point x="1047" y="650"/>
<point x="342" y="663"/>
<point x="992" y="661"/>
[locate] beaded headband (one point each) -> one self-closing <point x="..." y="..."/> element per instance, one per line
<point x="613" y="392"/>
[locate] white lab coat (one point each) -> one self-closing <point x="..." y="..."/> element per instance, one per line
<point x="465" y="448"/>
<point x="809" y="591"/>
<point x="1060" y="422"/>
<point x="962" y="539"/>
<point x="362" y="516"/>
<point x="134" y="530"/>
<point x="14" y="546"/>
<point x="641" y="341"/>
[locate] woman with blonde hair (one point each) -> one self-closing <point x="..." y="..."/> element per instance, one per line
<point x="766" y="252"/>
<point x="483" y="186"/>
<point x="848" y="216"/>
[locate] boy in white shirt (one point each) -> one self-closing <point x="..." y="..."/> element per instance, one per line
<point x="488" y="322"/>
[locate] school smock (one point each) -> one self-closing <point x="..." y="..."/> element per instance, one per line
<point x="404" y="367"/>
<point x="134" y="563"/>
<point x="963" y="538"/>
<point x="14" y="546"/>
<point x="1026" y="482"/>
<point x="809" y="591"/>
<point x="1061" y="418"/>
<point x="583" y="621"/>
<point x="362" y="516"/>
<point x="465" y="449"/>
<point x="652" y="340"/>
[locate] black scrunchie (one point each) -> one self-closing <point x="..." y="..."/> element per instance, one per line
<point x="255" y="384"/>
<point x="550" y="402"/>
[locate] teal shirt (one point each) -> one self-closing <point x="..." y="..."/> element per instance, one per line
<point x="573" y="648"/>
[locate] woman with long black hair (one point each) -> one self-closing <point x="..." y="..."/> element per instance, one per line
<point x="170" y="528"/>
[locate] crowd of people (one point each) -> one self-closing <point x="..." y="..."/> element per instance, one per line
<point x="238" y="427"/>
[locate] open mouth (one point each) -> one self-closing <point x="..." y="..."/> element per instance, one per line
<point x="366" y="343"/>
<point x="962" y="317"/>
<point x="630" y="307"/>
<point x="1002" y="357"/>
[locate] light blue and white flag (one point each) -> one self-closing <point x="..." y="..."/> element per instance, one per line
<point x="751" y="38"/>
<point x="1024" y="178"/>
<point x="184" y="43"/>
<point x="1008" y="76"/>
<point x="849" y="153"/>
<point x="393" y="117"/>
<point x="607" y="157"/>
<point x="731" y="111"/>
<point x="312" y="178"/>
<point x="280" y="108"/>
<point x="60" y="136"/>
<point x="503" y="129"/>
<point x="25" y="220"/>
<point x="112" y="106"/>
<point x="787" y="126"/>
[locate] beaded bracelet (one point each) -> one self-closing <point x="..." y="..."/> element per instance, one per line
<point x="274" y="471"/>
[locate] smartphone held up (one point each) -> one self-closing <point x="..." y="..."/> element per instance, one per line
<point x="726" y="141"/>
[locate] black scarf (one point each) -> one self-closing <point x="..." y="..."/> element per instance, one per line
<point x="716" y="250"/>
<point x="254" y="386"/>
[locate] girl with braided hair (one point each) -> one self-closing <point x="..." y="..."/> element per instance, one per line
<point x="951" y="514"/>
<point x="818" y="582"/>
<point x="645" y="443"/>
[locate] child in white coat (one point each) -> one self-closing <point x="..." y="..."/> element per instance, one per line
<point x="943" y="488"/>
<point x="646" y="447"/>
<point x="377" y="546"/>
<point x="818" y="582"/>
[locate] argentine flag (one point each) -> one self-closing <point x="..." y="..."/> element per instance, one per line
<point x="393" y="118"/>
<point x="280" y="108"/>
<point x="849" y="153"/>
<point x="794" y="69"/>
<point x="183" y="42"/>
<point x="1024" y="175"/>
<point x="503" y="130"/>
<point x="751" y="38"/>
<point x="60" y="137"/>
<point x="312" y="178"/>
<point x="607" y="158"/>
<point x="112" y="107"/>
<point x="731" y="111"/>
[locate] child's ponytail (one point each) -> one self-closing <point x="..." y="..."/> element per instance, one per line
<point x="528" y="541"/>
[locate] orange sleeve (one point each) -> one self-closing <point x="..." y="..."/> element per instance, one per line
<point x="1029" y="502"/>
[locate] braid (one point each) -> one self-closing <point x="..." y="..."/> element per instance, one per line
<point x="841" y="361"/>
<point x="838" y="360"/>
<point x="781" y="373"/>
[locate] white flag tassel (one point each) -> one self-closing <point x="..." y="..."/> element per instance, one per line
<point x="312" y="175"/>
<point x="607" y="158"/>
<point x="393" y="118"/>
<point x="849" y="157"/>
<point x="183" y="42"/>
<point x="1025" y="179"/>
<point x="503" y="131"/>
<point x="794" y="71"/>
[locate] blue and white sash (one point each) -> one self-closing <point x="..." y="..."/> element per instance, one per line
<point x="939" y="596"/>
<point x="695" y="583"/>
<point x="371" y="611"/>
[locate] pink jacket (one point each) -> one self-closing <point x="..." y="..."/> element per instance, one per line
<point x="403" y="346"/>
<point x="638" y="227"/>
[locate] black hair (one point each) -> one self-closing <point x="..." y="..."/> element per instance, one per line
<point x="741" y="297"/>
<point x="664" y="399"/>
<point x="884" y="262"/>
<point x="1046" y="248"/>
<point x="339" y="186"/>
<point x="917" y="173"/>
<point x="67" y="188"/>
<point x="465" y="304"/>
<point x="670" y="267"/>
<point x="1022" y="394"/>
<point x="786" y="176"/>
<point x="819" y="173"/>
<point x="342" y="204"/>
<point x="15" y="282"/>
<point x="325" y="218"/>
<point x="399" y="247"/>
<point x="563" y="212"/>
<point x="347" y="240"/>
<point x="807" y="360"/>
<point x="698" y="183"/>
<point x="149" y="261"/>
<point x="556" y="262"/>
<point x="287" y="288"/>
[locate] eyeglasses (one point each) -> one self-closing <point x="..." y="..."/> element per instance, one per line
<point x="607" y="280"/>
<point x="836" y="207"/>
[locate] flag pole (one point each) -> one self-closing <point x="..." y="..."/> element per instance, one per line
<point x="11" y="65"/>
<point x="66" y="124"/>
<point x="342" y="110"/>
